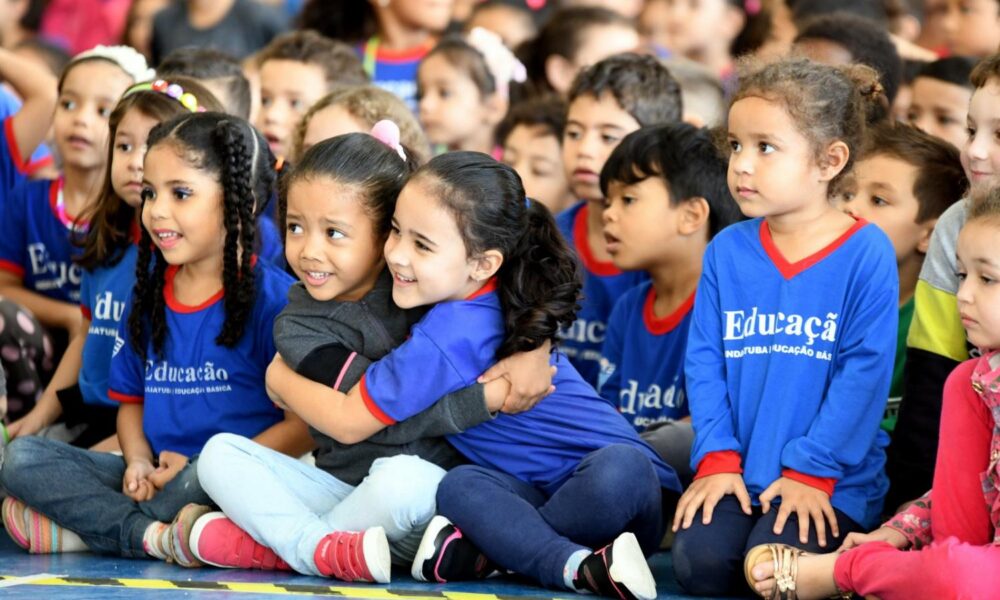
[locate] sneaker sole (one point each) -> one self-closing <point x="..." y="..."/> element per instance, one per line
<point x="199" y="526"/>
<point x="630" y="569"/>
<point x="180" y="534"/>
<point x="428" y="546"/>
<point x="375" y="545"/>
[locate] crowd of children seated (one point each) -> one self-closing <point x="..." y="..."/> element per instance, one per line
<point x="477" y="288"/>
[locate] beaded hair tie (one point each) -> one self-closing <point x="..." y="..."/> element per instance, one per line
<point x="187" y="99"/>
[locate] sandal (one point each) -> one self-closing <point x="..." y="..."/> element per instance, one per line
<point x="786" y="569"/>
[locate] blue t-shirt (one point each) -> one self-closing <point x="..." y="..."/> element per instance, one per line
<point x="13" y="166"/>
<point x="789" y="365"/>
<point x="35" y="244"/>
<point x="394" y="71"/>
<point x="198" y="388"/>
<point x="448" y="349"/>
<point x="603" y="285"/>
<point x="104" y="293"/>
<point x="642" y="369"/>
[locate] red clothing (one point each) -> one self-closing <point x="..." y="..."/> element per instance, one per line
<point x="80" y="25"/>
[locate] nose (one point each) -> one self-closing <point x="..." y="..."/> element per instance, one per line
<point x="395" y="255"/>
<point x="976" y="147"/>
<point x="741" y="163"/>
<point x="311" y="247"/>
<point x="964" y="294"/>
<point x="274" y="112"/>
<point x="610" y="213"/>
<point x="135" y="161"/>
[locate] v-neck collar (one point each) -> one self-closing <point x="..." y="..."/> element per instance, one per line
<point x="789" y="270"/>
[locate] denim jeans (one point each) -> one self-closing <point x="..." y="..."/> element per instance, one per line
<point x="613" y="490"/>
<point x="289" y="506"/>
<point x="82" y="491"/>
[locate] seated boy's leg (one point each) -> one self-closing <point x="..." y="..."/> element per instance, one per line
<point x="672" y="441"/>
<point x="399" y="495"/>
<point x="763" y="532"/>
<point x="708" y="559"/>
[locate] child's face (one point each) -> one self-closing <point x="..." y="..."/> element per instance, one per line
<point x="89" y="94"/>
<point x="594" y="127"/>
<point x="940" y="109"/>
<point x="425" y="251"/>
<point x="772" y="166"/>
<point x="533" y="151"/>
<point x="429" y="15"/>
<point x="695" y="26"/>
<point x="330" y="241"/>
<point x="511" y="25"/>
<point x="885" y="197"/>
<point x="972" y="27"/>
<point x="654" y="23"/>
<point x="979" y="291"/>
<point x="182" y="208"/>
<point x="981" y="151"/>
<point x="640" y="225"/>
<point x="451" y="108"/>
<point x="127" y="155"/>
<point x="596" y="43"/>
<point x="287" y="89"/>
<point x="330" y="122"/>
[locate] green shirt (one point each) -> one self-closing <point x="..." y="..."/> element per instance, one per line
<point x="896" y="389"/>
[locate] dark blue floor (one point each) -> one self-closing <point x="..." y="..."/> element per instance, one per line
<point x="86" y="576"/>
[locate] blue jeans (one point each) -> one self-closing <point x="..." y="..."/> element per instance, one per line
<point x="522" y="529"/>
<point x="708" y="559"/>
<point x="289" y="506"/>
<point x="82" y="491"/>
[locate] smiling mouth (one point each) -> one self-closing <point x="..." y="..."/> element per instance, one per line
<point x="403" y="280"/>
<point x="316" y="277"/>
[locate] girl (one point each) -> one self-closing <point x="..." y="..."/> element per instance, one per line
<point x="37" y="273"/>
<point x="188" y="360"/>
<point x="392" y="37"/>
<point x="357" y="109"/>
<point x="953" y="529"/>
<point x="463" y="90"/>
<point x="793" y="333"/>
<point x="79" y="387"/>
<point x="340" y="318"/>
<point x="502" y="280"/>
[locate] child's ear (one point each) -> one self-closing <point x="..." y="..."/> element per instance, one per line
<point x="833" y="160"/>
<point x="693" y="215"/>
<point x="486" y="265"/>
<point x="926" y="229"/>
<point x="496" y="108"/>
<point x="560" y="72"/>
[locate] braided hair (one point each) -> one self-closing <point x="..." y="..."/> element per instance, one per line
<point x="233" y="151"/>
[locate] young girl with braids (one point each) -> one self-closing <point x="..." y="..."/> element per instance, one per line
<point x="78" y="391"/>
<point x="188" y="360"/>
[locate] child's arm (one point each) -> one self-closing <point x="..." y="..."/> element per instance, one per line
<point x="530" y="377"/>
<point x="27" y="129"/>
<point x="136" y="452"/>
<point x="289" y="436"/>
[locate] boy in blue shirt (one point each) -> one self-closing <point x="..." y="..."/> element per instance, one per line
<point x="607" y="101"/>
<point x="666" y="198"/>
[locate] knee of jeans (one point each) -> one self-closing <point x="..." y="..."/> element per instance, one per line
<point x="409" y="482"/>
<point x="620" y="467"/>
<point x="20" y="458"/>
<point x="216" y="454"/>
<point x="700" y="569"/>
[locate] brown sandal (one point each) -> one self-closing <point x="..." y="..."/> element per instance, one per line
<point x="786" y="569"/>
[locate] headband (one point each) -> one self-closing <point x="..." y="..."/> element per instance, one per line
<point x="387" y="132"/>
<point x="127" y="59"/>
<point x="500" y="61"/>
<point x="187" y="99"/>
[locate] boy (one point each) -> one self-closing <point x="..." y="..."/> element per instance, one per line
<point x="607" y="101"/>
<point x="937" y="342"/>
<point x="971" y="27"/>
<point x="218" y="71"/>
<point x="940" y="97"/>
<point x="530" y="138"/>
<point x="296" y="70"/>
<point x="667" y="196"/>
<point x="907" y="179"/>
<point x="704" y="31"/>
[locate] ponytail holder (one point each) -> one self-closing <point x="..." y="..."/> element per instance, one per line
<point x="527" y="202"/>
<point x="387" y="132"/>
<point x="186" y="99"/>
<point x="500" y="61"/>
<point x="752" y="7"/>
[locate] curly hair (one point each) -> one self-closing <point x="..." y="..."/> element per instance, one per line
<point x="641" y="85"/>
<point x="539" y="281"/>
<point x="339" y="62"/>
<point x="233" y="151"/>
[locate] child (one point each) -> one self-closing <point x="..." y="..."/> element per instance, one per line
<point x="905" y="181"/>
<point x="464" y="238"/>
<point x="36" y="267"/>
<point x="463" y="90"/>
<point x="937" y="340"/>
<point x="939" y="103"/>
<point x="214" y="69"/>
<point x="79" y="387"/>
<point x="139" y="25"/>
<point x="514" y="24"/>
<point x="951" y="532"/>
<point x="188" y="360"/>
<point x="702" y="94"/>
<point x="790" y="352"/>
<point x="666" y="198"/>
<point x="607" y="102"/>
<point x="530" y="138"/>
<point x="392" y="37"/>
<point x="704" y="31"/>
<point x="572" y="40"/>
<point x="972" y="27"/>
<point x="296" y="70"/>
<point x="356" y="109"/>
<point x="340" y="317"/>
<point x="237" y="27"/>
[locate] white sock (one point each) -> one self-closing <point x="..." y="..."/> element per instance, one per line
<point x="572" y="567"/>
<point x="155" y="540"/>
<point x="71" y="542"/>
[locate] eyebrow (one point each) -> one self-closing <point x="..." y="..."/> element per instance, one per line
<point x="336" y="223"/>
<point x="416" y="234"/>
<point x="986" y="261"/>
<point x="753" y="135"/>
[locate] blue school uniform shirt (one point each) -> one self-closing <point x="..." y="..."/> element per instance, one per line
<point x="642" y="367"/>
<point x="448" y="349"/>
<point x="104" y="293"/>
<point x="14" y="167"/>
<point x="603" y="285"/>
<point x="35" y="243"/>
<point x="198" y="388"/>
<point x="394" y="71"/>
<point x="788" y="365"/>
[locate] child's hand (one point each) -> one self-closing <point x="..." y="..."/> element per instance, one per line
<point x="171" y="464"/>
<point x="530" y="376"/>
<point x="807" y="502"/>
<point x="705" y="493"/>
<point x="882" y="534"/>
<point x="135" y="483"/>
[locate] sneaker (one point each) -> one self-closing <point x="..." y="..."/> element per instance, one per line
<point x="618" y="570"/>
<point x="355" y="556"/>
<point x="446" y="555"/>
<point x="179" y="535"/>
<point x="36" y="533"/>
<point x="215" y="540"/>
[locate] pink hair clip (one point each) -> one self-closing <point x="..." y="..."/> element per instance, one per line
<point x="752" y="7"/>
<point x="387" y="132"/>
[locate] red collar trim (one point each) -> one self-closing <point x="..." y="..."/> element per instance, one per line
<point x="580" y="240"/>
<point x="136" y="232"/>
<point x="789" y="270"/>
<point x="662" y="325"/>
<point x="178" y="306"/>
<point x="491" y="286"/>
<point x="406" y="54"/>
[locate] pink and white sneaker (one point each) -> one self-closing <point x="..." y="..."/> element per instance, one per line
<point x="355" y="556"/>
<point x="216" y="540"/>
